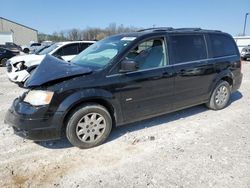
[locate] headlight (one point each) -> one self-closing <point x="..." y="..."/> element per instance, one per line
<point x="38" y="97"/>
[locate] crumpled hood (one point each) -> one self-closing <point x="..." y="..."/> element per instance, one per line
<point x="28" y="59"/>
<point x="51" y="69"/>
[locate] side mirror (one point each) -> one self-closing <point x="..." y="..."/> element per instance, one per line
<point x="128" y="66"/>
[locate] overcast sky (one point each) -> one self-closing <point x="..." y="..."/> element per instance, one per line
<point x="48" y="16"/>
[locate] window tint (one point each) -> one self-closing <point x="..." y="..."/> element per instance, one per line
<point x="188" y="48"/>
<point x="35" y="44"/>
<point x="70" y="49"/>
<point x="83" y="46"/>
<point x="149" y="54"/>
<point x="222" y="45"/>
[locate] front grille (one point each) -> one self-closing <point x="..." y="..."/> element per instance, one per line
<point x="9" y="67"/>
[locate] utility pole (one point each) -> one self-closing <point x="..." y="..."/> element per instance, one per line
<point x="244" y="30"/>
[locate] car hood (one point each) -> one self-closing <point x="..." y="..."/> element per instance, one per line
<point x="52" y="69"/>
<point x="26" y="58"/>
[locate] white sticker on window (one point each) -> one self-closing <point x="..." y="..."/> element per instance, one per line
<point x="128" y="38"/>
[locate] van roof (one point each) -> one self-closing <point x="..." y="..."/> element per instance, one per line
<point x="163" y="30"/>
<point x="170" y="29"/>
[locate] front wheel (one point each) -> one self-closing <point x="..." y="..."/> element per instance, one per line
<point x="3" y="62"/>
<point x="220" y="96"/>
<point x="88" y="126"/>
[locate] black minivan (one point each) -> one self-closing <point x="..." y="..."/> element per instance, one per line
<point x="126" y="78"/>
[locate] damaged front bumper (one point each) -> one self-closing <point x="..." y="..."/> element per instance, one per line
<point x="34" y="123"/>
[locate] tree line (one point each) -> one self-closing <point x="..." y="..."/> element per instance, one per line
<point x="90" y="33"/>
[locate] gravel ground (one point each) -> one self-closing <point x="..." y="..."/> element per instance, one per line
<point x="195" y="147"/>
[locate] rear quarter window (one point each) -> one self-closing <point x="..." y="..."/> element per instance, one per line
<point x="222" y="45"/>
<point x="187" y="48"/>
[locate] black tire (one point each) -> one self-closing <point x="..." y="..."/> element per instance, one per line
<point x="82" y="128"/>
<point x="20" y="84"/>
<point x="3" y="62"/>
<point x="26" y="50"/>
<point x="220" y="96"/>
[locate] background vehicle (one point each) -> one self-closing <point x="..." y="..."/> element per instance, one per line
<point x="11" y="46"/>
<point x="245" y="53"/>
<point x="20" y="67"/>
<point x="31" y="48"/>
<point x="126" y="78"/>
<point x="41" y="48"/>
<point x="5" y="54"/>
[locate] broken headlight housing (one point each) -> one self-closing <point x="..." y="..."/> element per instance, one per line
<point x="20" y="66"/>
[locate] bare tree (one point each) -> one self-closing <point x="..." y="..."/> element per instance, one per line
<point x="90" y="33"/>
<point x="74" y="34"/>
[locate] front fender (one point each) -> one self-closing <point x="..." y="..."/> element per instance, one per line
<point x="90" y="94"/>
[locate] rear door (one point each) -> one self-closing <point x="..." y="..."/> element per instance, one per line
<point x="193" y="73"/>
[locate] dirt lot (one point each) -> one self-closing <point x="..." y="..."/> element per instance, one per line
<point x="195" y="147"/>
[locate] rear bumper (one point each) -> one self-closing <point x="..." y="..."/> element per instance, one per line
<point x="26" y="122"/>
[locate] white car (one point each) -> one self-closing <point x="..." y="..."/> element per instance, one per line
<point x="20" y="67"/>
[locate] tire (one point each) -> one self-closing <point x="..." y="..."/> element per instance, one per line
<point x="220" y="96"/>
<point x="88" y="126"/>
<point x="26" y="50"/>
<point x="3" y="62"/>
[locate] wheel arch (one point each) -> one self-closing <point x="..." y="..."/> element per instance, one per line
<point x="226" y="76"/>
<point x="75" y="100"/>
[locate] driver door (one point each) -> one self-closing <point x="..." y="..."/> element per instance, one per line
<point x="149" y="90"/>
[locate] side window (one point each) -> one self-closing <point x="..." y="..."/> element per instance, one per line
<point x="188" y="48"/>
<point x="149" y="54"/>
<point x="35" y="44"/>
<point x="70" y="49"/>
<point x="222" y="45"/>
<point x="83" y="46"/>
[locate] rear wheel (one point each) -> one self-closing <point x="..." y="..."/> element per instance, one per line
<point x="220" y="96"/>
<point x="3" y="62"/>
<point x="88" y="126"/>
<point x="26" y="50"/>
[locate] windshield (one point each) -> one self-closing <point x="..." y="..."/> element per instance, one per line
<point x="39" y="49"/>
<point x="48" y="50"/>
<point x="102" y="52"/>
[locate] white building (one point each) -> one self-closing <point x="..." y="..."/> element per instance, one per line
<point x="242" y="41"/>
<point x="14" y="32"/>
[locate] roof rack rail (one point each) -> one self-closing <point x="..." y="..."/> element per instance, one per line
<point x="188" y="29"/>
<point x="213" y="30"/>
<point x="156" y="29"/>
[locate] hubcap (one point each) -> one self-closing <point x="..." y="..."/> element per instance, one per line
<point x="221" y="96"/>
<point x="91" y="127"/>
